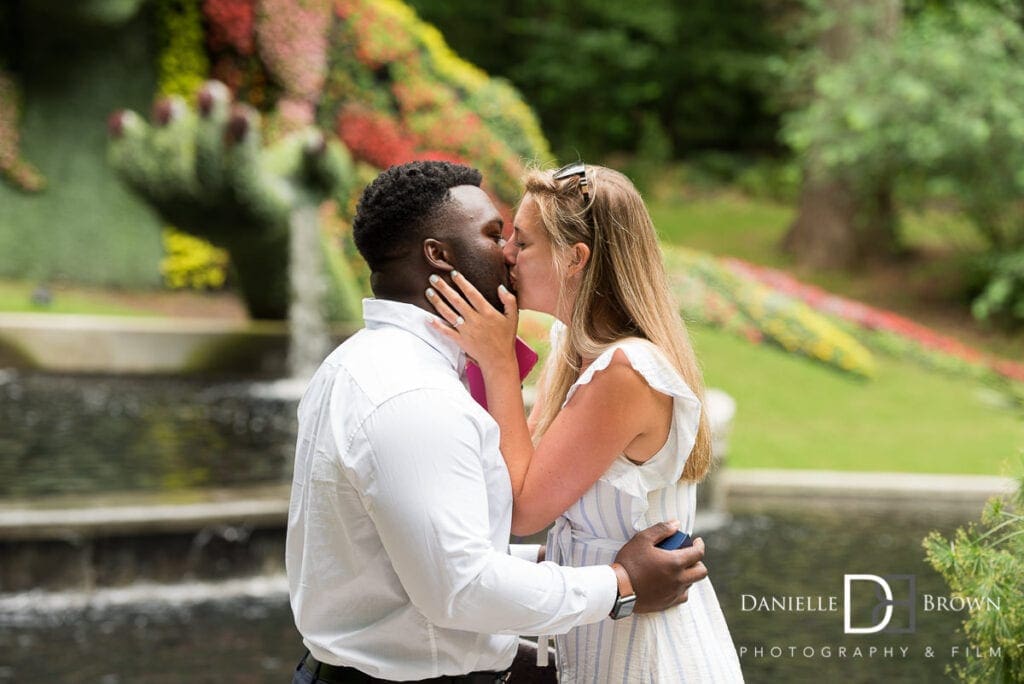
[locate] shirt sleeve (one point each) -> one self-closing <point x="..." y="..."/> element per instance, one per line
<point x="427" y="495"/>
<point x="527" y="552"/>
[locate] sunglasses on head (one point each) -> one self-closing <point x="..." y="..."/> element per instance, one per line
<point x="575" y="169"/>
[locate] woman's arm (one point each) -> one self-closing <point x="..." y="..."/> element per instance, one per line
<point x="598" y="424"/>
<point x="488" y="336"/>
<point x="604" y="417"/>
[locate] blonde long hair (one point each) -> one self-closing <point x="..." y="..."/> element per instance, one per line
<point x="623" y="291"/>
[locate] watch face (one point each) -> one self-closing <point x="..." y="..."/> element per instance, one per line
<point x="623" y="607"/>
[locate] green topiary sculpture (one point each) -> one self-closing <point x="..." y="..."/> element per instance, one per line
<point x="209" y="173"/>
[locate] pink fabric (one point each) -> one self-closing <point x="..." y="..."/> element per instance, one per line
<point x="526" y="357"/>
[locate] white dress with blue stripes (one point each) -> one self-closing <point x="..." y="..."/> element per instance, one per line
<point x="687" y="643"/>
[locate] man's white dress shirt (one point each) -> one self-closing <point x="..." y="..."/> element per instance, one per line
<point x="397" y="554"/>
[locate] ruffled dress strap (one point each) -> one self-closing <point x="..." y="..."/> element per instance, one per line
<point x="665" y="468"/>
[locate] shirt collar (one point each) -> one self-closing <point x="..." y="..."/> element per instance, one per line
<point x="378" y="313"/>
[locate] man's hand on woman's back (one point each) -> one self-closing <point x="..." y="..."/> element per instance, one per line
<point x="660" y="578"/>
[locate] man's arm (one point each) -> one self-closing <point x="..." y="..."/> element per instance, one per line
<point x="427" y="496"/>
<point x="528" y="552"/>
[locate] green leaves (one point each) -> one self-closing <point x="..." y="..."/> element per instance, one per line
<point x="986" y="561"/>
<point x="595" y="70"/>
<point x="1003" y="297"/>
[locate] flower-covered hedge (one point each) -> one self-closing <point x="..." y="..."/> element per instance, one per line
<point x="366" y="73"/>
<point x="12" y="167"/>
<point x="231" y="25"/>
<point x="291" y="39"/>
<point x="374" y="137"/>
<point x="189" y="262"/>
<point x="192" y="262"/>
<point x="380" y="78"/>
<point x="372" y="73"/>
<point x="711" y="293"/>
<point x="182" y="62"/>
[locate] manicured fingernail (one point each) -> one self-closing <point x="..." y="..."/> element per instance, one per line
<point x="430" y="293"/>
<point x="502" y="289"/>
<point x="433" y="279"/>
<point x="455" y="274"/>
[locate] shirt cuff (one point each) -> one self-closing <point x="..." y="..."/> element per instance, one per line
<point x="527" y="552"/>
<point x="601" y="586"/>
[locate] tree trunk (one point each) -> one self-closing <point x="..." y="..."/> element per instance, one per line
<point x="840" y="226"/>
<point x="840" y="223"/>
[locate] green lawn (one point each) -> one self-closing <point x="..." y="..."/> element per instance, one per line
<point x="17" y="296"/>
<point x="794" y="413"/>
<point x="728" y="222"/>
<point x="725" y="223"/>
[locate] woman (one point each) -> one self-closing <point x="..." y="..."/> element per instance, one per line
<point x="621" y="437"/>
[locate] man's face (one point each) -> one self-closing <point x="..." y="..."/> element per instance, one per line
<point x="473" y="230"/>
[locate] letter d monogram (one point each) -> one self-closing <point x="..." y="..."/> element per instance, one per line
<point x="888" y="603"/>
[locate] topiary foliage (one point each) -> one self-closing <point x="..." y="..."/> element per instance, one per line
<point x="21" y="173"/>
<point x="377" y="76"/>
<point x="209" y="173"/>
<point x="370" y="75"/>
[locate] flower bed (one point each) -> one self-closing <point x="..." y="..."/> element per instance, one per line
<point x="883" y="329"/>
<point x="711" y="293"/>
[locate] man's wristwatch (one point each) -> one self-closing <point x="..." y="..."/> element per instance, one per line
<point x="625" y="598"/>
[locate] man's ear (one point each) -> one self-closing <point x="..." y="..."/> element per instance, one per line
<point x="438" y="254"/>
<point x="579" y="256"/>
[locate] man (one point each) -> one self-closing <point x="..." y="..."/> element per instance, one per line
<point x="399" y="566"/>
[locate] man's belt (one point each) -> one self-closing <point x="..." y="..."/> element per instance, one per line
<point x="339" y="674"/>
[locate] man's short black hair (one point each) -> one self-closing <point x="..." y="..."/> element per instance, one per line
<point x="400" y="203"/>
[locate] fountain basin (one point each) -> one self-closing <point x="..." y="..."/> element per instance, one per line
<point x="120" y="344"/>
<point x="65" y="542"/>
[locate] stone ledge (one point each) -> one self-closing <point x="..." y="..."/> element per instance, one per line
<point x="266" y="506"/>
<point x="123" y="344"/>
<point x="114" y="540"/>
<point x="764" y="488"/>
<point x="64" y="518"/>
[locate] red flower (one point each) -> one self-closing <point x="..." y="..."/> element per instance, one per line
<point x="374" y="137"/>
<point x="231" y="25"/>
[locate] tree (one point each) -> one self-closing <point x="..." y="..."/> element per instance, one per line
<point x="601" y="73"/>
<point x="948" y="118"/>
<point x="844" y="218"/>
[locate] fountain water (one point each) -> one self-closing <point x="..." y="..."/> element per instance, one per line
<point x="310" y="340"/>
